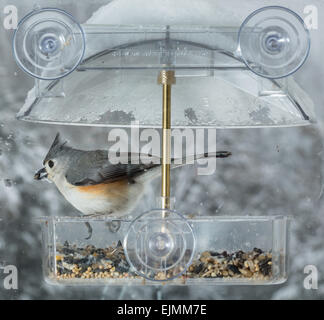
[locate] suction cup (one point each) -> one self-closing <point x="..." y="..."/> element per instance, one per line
<point x="48" y="44"/>
<point x="159" y="245"/>
<point x="274" y="42"/>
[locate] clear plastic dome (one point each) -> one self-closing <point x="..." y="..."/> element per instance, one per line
<point x="116" y="83"/>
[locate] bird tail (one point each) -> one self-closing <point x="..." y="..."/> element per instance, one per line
<point x="178" y="162"/>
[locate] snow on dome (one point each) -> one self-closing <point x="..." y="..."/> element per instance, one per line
<point x="185" y="12"/>
<point x="166" y="12"/>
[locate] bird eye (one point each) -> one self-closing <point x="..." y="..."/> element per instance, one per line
<point x="51" y="163"/>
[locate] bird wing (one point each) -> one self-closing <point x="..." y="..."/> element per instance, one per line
<point x="93" y="167"/>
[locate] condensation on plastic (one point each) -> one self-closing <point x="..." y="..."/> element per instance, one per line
<point x="222" y="233"/>
<point x="116" y="84"/>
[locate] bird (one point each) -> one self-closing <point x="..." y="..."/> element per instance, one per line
<point x="94" y="186"/>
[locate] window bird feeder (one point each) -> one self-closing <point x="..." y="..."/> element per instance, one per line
<point x="213" y="77"/>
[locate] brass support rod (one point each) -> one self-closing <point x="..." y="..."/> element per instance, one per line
<point x="166" y="146"/>
<point x="166" y="78"/>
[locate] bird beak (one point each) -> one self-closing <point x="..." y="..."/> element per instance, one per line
<point x="40" y="174"/>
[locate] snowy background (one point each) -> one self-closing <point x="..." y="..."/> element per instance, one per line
<point x="272" y="171"/>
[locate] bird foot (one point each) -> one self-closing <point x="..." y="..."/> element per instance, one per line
<point x="114" y="226"/>
<point x="89" y="231"/>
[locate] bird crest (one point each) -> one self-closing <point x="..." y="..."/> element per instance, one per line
<point x="56" y="147"/>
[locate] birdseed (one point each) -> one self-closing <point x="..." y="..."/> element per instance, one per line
<point x="73" y="262"/>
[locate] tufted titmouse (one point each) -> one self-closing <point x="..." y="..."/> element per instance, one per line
<point x="93" y="185"/>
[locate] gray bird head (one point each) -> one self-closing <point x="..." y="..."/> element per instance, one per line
<point x="56" y="161"/>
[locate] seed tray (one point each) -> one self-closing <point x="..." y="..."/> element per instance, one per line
<point x="228" y="250"/>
